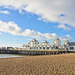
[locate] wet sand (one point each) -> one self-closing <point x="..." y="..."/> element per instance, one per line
<point x="63" y="64"/>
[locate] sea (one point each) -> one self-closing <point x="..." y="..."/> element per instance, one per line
<point x="9" y="55"/>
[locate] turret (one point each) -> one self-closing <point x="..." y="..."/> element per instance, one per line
<point x="57" y="42"/>
<point x="33" y="43"/>
<point x="44" y="43"/>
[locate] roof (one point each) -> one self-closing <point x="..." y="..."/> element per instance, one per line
<point x="57" y="39"/>
<point x="34" y="40"/>
<point x="44" y="41"/>
<point x="71" y="43"/>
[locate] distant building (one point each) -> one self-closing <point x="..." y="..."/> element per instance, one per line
<point x="3" y="48"/>
<point x="10" y="48"/>
<point x="16" y="48"/>
<point x="44" y="45"/>
<point x="66" y="42"/>
<point x="26" y="46"/>
<point x="33" y="43"/>
<point x="57" y="42"/>
<point x="71" y="46"/>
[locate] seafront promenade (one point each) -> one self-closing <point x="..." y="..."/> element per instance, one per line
<point x="36" y="52"/>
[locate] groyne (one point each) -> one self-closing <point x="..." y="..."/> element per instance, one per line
<point x="35" y="52"/>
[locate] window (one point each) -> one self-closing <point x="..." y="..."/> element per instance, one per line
<point x="71" y="48"/>
<point x="40" y="47"/>
<point x="43" y="47"/>
<point x="47" y="47"/>
<point x="56" y="47"/>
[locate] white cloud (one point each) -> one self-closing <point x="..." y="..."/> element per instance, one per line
<point x="5" y="12"/>
<point x="49" y="36"/>
<point x="32" y="33"/>
<point x="66" y="37"/>
<point x="12" y="28"/>
<point x="61" y="11"/>
<point x="64" y="27"/>
<point x="38" y="35"/>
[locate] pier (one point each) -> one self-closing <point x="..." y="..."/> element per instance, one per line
<point x="35" y="52"/>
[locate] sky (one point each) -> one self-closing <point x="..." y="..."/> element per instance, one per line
<point x="23" y="20"/>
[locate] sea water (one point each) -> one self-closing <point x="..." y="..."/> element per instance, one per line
<point x="9" y="55"/>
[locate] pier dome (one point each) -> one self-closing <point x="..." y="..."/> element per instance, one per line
<point x="57" y="42"/>
<point x="33" y="43"/>
<point x="44" y="43"/>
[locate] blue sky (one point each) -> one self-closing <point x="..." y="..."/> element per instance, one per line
<point x="42" y="20"/>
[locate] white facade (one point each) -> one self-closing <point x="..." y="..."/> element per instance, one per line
<point x="33" y="43"/>
<point x="70" y="46"/>
<point x="66" y="42"/>
<point x="44" y="45"/>
<point x="57" y="42"/>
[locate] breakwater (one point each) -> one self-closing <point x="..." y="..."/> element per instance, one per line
<point x="35" y="52"/>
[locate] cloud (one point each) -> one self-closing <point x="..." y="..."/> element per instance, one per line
<point x="38" y="35"/>
<point x="61" y="11"/>
<point x="66" y="37"/>
<point x="10" y="27"/>
<point x="64" y="27"/>
<point x="32" y="33"/>
<point x="5" y="12"/>
<point x="14" y="29"/>
<point x="49" y="36"/>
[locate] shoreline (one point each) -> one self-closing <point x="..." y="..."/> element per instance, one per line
<point x="19" y="55"/>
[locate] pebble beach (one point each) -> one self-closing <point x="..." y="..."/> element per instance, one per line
<point x="63" y="64"/>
